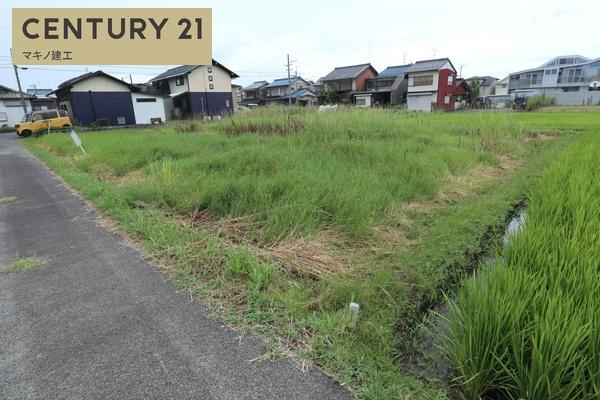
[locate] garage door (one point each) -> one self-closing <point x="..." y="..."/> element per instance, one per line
<point x="419" y="102"/>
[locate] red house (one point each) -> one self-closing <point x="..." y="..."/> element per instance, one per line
<point x="432" y="85"/>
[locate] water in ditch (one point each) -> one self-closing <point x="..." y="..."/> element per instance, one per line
<point x="429" y="361"/>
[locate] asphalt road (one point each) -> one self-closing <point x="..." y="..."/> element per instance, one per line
<point x="97" y="322"/>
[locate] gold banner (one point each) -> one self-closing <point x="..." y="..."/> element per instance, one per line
<point x="134" y="36"/>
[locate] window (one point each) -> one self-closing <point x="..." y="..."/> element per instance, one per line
<point x="361" y="102"/>
<point x="450" y="80"/>
<point x="36" y="117"/>
<point x="146" y="100"/>
<point x="210" y="78"/>
<point x="211" y="86"/>
<point x="49" y="115"/>
<point x="227" y="103"/>
<point x="121" y="121"/>
<point x="423" y="80"/>
<point x="3" y="117"/>
<point x="209" y="69"/>
<point x="63" y="113"/>
<point x="179" y="81"/>
<point x="447" y="99"/>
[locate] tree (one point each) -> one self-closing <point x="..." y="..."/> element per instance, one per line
<point x="474" y="93"/>
<point x="330" y="96"/>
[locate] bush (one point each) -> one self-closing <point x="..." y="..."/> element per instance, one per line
<point x="536" y="102"/>
<point x="190" y="126"/>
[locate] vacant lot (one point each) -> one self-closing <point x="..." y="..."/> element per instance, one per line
<point x="281" y="217"/>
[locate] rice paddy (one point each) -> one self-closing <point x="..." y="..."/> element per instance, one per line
<point x="528" y="326"/>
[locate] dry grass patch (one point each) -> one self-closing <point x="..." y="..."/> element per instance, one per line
<point x="542" y="136"/>
<point x="7" y="199"/>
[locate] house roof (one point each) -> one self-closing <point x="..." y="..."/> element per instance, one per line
<point x="540" y="69"/>
<point x="300" y="92"/>
<point x="394" y="71"/>
<point x="430" y="65"/>
<point x="577" y="59"/>
<point x="349" y="72"/>
<point x="503" y="81"/>
<point x="484" y="80"/>
<point x="8" y="93"/>
<point x="69" y="83"/>
<point x="39" y="92"/>
<point x="185" y="69"/>
<point x="256" y="85"/>
<point x="284" y="82"/>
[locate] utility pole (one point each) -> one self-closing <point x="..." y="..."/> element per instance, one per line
<point x="404" y="57"/>
<point x="19" y="85"/>
<point x="289" y="81"/>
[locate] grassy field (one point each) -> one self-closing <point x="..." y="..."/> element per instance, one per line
<point x="280" y="218"/>
<point x="528" y="326"/>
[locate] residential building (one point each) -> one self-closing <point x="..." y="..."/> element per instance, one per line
<point x="302" y="97"/>
<point x="254" y="93"/>
<point x="197" y="90"/>
<point x="317" y="87"/>
<point x="461" y="93"/>
<point x="571" y="80"/>
<point x="42" y="101"/>
<point x="502" y="87"/>
<point x="386" y="88"/>
<point x="236" y="95"/>
<point x="487" y="84"/>
<point x="99" y="98"/>
<point x="275" y="91"/>
<point x="432" y="85"/>
<point x="347" y="81"/>
<point x="96" y="97"/>
<point x="11" y="106"/>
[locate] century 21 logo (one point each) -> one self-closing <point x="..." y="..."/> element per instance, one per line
<point x="65" y="28"/>
<point x="112" y="36"/>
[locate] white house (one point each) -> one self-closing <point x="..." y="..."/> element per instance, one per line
<point x="11" y="107"/>
<point x="197" y="90"/>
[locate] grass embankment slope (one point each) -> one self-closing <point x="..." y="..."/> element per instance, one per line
<point x="528" y="326"/>
<point x="280" y="218"/>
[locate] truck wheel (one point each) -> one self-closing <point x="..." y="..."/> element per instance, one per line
<point x="24" y="133"/>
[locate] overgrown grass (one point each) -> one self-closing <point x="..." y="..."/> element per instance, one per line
<point x="281" y="226"/>
<point x="528" y="326"/>
<point x="334" y="171"/>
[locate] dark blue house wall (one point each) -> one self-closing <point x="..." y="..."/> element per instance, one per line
<point x="211" y="103"/>
<point x="92" y="106"/>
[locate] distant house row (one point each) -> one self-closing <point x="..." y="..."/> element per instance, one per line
<point x="570" y="80"/>
<point x="425" y="85"/>
<point x="281" y="91"/>
<point x="99" y="98"/>
<point x="11" y="103"/>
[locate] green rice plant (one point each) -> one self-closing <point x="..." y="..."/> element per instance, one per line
<point x="527" y="326"/>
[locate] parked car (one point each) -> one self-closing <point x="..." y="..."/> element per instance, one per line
<point x="40" y="121"/>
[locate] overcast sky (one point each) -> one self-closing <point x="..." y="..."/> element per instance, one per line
<point x="253" y="37"/>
